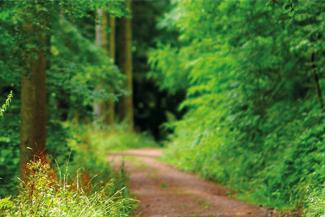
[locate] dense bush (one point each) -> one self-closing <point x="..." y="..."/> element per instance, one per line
<point x="253" y="72"/>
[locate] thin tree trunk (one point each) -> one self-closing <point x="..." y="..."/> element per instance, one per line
<point x="101" y="41"/>
<point x="33" y="107"/>
<point x="104" y="111"/>
<point x="110" y="113"/>
<point x="126" y="67"/>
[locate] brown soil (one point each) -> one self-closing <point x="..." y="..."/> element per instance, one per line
<point x="164" y="191"/>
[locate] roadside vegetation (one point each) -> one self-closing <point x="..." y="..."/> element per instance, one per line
<point x="92" y="190"/>
<point x="253" y="72"/>
<point x="113" y="138"/>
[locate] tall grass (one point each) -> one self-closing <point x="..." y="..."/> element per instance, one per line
<point x="316" y="203"/>
<point x="42" y="194"/>
<point x="85" y="186"/>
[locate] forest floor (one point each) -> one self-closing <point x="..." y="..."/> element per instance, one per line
<point x="164" y="191"/>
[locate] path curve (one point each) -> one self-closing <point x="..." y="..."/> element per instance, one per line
<point x="164" y="191"/>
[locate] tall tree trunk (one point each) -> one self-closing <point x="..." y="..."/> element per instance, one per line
<point x="126" y="67"/>
<point x="110" y="113"/>
<point x="101" y="41"/>
<point x="33" y="104"/>
<point x="104" y="111"/>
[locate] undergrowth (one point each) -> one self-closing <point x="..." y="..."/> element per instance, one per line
<point x="285" y="171"/>
<point x="43" y="194"/>
<point x="115" y="138"/>
<point x="253" y="119"/>
<point x="83" y="185"/>
<point x="316" y="203"/>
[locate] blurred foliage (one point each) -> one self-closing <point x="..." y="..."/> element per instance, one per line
<point x="78" y="66"/>
<point x="112" y="138"/>
<point x="9" y="149"/>
<point x="8" y="157"/>
<point x="89" y="159"/>
<point x="254" y="119"/>
<point x="152" y="105"/>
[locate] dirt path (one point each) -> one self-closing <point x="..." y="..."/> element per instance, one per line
<point x="163" y="191"/>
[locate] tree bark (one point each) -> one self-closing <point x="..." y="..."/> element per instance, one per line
<point x="33" y="106"/>
<point x="110" y="113"/>
<point x="126" y="67"/>
<point x="101" y="41"/>
<point x="104" y="111"/>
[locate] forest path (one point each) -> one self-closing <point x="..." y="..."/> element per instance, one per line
<point x="164" y="191"/>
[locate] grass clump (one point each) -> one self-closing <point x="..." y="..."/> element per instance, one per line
<point x="44" y="194"/>
<point x="85" y="185"/>
<point x="315" y="206"/>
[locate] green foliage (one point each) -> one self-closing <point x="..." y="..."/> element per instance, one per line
<point x="316" y="203"/>
<point x="5" y="106"/>
<point x="82" y="179"/>
<point x="75" y="67"/>
<point x="57" y="145"/>
<point x="90" y="159"/>
<point x="9" y="150"/>
<point x="254" y="120"/>
<point x="43" y="195"/>
<point x="113" y="138"/>
<point x="78" y="67"/>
